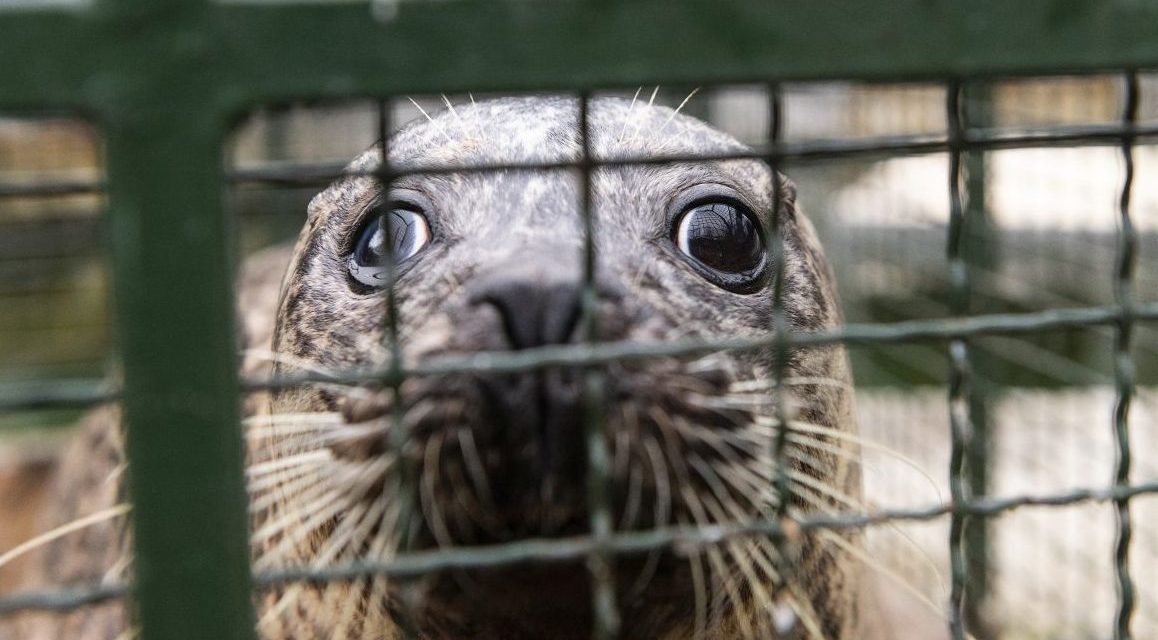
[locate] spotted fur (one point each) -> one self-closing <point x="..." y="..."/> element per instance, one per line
<point x="691" y="439"/>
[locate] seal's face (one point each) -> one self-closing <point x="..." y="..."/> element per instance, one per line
<point x="493" y="261"/>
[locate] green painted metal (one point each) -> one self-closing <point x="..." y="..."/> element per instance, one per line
<point x="166" y="79"/>
<point x="264" y="52"/>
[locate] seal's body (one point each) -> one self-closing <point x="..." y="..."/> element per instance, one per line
<point x="492" y="260"/>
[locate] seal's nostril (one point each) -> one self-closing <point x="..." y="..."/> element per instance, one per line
<point x="534" y="312"/>
<point x="535" y="316"/>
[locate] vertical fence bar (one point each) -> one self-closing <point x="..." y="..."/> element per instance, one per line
<point x="601" y="563"/>
<point x="1124" y="364"/>
<point x="404" y="481"/>
<point x="780" y="354"/>
<point x="959" y="366"/>
<point x="981" y="246"/>
<point x="779" y="319"/>
<point x="173" y="278"/>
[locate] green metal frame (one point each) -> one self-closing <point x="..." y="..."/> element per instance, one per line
<point x="166" y="79"/>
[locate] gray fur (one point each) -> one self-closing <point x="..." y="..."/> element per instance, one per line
<point x="486" y="220"/>
<point x="690" y="439"/>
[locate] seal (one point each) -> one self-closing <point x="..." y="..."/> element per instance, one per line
<point x="492" y="260"/>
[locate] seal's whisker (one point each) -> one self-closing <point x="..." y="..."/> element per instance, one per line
<point x="437" y="125"/>
<point x="291" y="422"/>
<point x="304" y="486"/>
<point x="318" y="458"/>
<point x="634" y="500"/>
<point x="801" y="605"/>
<point x="719" y="444"/>
<point x="844" y="436"/>
<point x="621" y="444"/>
<point x="719" y="489"/>
<point x="746" y="479"/>
<point x="330" y="440"/>
<point x="738" y="550"/>
<point x="467" y="515"/>
<point x="799" y="479"/>
<point x="347" y="540"/>
<point x="757" y="384"/>
<point x="453" y="112"/>
<point x="733" y="401"/>
<point x="879" y="567"/>
<point x="323" y="505"/>
<point x="284" y="601"/>
<point x="721" y="573"/>
<point x="78" y="524"/>
<point x="378" y="516"/>
<point x="663" y="493"/>
<point x="336" y="608"/>
<point x="260" y="484"/>
<point x="321" y="510"/>
<point x="670" y="436"/>
<point x="428" y="499"/>
<point x="478" y="504"/>
<point x="475" y="469"/>
<point x="639" y="124"/>
<point x="373" y="608"/>
<point x="700" y="594"/>
<point x="677" y="111"/>
<point x="627" y="116"/>
<point x="338" y="540"/>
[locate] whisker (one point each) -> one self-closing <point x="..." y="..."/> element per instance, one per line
<point x="677" y="110"/>
<point x="475" y="468"/>
<point x="796" y="426"/>
<point x="437" y="126"/>
<point x="858" y="553"/>
<point x="427" y="491"/>
<point x="758" y="384"/>
<point x="103" y="515"/>
<point x="316" y="459"/>
<point x="627" y="117"/>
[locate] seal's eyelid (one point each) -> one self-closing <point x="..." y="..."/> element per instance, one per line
<point x="385" y="242"/>
<point x="721" y="238"/>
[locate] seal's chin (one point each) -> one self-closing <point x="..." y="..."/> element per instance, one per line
<point x="537" y="601"/>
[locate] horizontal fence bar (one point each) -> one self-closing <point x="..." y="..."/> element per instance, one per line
<point x="318" y="174"/>
<point x="51" y="188"/>
<point x="577" y="548"/>
<point x="86" y="393"/>
<point x="813" y="150"/>
<point x="285" y="51"/>
<point x="862" y="333"/>
<point x="262" y="52"/>
<point x="56" y="394"/>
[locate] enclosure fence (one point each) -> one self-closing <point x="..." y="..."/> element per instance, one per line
<point x="164" y="80"/>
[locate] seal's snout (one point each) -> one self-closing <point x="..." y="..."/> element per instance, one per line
<point x="534" y="298"/>
<point x="539" y="304"/>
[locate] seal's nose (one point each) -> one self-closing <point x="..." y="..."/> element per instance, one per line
<point x="539" y="302"/>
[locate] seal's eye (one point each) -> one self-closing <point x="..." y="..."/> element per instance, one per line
<point x="724" y="243"/>
<point x="379" y="244"/>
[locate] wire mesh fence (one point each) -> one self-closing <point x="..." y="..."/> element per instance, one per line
<point x="1034" y="351"/>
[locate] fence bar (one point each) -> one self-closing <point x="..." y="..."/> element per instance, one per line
<point x="572" y="548"/>
<point x="801" y="151"/>
<point x="1124" y="368"/>
<point x="980" y="250"/>
<point x="600" y="563"/>
<point x="959" y="367"/>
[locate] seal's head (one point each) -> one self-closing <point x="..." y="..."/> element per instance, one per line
<point x="492" y="260"/>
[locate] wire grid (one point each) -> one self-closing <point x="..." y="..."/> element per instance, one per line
<point x="603" y="544"/>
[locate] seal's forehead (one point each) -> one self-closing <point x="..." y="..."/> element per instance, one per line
<point x="546" y="130"/>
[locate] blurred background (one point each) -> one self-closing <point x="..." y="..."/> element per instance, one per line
<point x="1045" y="237"/>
